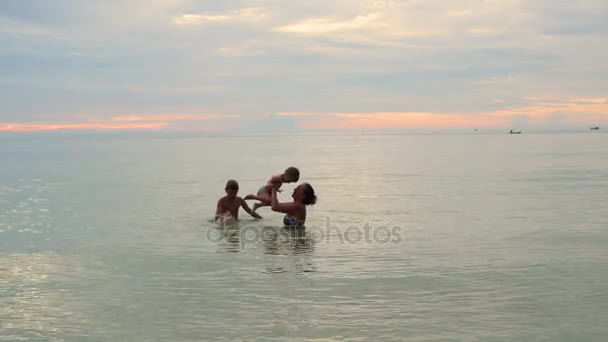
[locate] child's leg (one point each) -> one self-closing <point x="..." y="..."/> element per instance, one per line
<point x="263" y="197"/>
<point x="264" y="200"/>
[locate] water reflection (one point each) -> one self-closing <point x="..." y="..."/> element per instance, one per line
<point x="283" y="240"/>
<point x="272" y="239"/>
<point x="231" y="238"/>
<point x="29" y="305"/>
<point x="294" y="242"/>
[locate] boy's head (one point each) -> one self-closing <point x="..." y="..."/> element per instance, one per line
<point x="291" y="175"/>
<point x="232" y="188"/>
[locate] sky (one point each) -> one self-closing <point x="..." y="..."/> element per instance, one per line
<point x="285" y="65"/>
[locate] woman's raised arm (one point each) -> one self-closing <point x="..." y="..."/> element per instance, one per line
<point x="281" y="207"/>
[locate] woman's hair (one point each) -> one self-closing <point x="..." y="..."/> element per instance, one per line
<point x="309" y="194"/>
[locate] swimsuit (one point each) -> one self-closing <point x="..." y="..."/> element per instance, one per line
<point x="264" y="190"/>
<point x="292" y="221"/>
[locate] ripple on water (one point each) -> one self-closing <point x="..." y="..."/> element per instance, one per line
<point x="33" y="303"/>
<point x="482" y="256"/>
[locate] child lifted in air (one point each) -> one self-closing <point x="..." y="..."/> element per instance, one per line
<point x="291" y="175"/>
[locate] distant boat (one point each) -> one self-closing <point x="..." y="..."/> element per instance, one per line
<point x="595" y="128"/>
<point x="514" y="132"/>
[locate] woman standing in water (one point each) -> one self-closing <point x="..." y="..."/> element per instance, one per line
<point x="295" y="212"/>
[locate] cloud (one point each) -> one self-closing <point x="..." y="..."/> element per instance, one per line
<point x="483" y="30"/>
<point x="241" y="50"/>
<point x="107" y="59"/>
<point x="378" y="24"/>
<point x="243" y="14"/>
<point x="570" y="111"/>
<point x="200" y="122"/>
<point x="404" y="120"/>
<point x="45" y="127"/>
<point x="173" y="117"/>
<point x="20" y="28"/>
<point x="329" y="25"/>
<point x="302" y="114"/>
<point x="588" y="100"/>
<point x="459" y="13"/>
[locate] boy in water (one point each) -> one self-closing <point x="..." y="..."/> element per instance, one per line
<point x="228" y="206"/>
<point x="291" y="175"/>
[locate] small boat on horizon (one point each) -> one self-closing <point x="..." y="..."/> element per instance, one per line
<point x="514" y="132"/>
<point x="595" y="128"/>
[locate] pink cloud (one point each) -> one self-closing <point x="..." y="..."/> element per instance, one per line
<point x="173" y="117"/>
<point x="592" y="100"/>
<point x="128" y="122"/>
<point x="544" y="111"/>
<point x="42" y="127"/>
<point x="297" y="114"/>
<point x="399" y="120"/>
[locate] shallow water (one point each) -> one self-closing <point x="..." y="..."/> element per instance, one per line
<point x="451" y="237"/>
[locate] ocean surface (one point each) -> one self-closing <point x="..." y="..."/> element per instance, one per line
<point x="429" y="237"/>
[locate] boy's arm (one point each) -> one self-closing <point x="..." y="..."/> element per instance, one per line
<point x="248" y="210"/>
<point x="219" y="211"/>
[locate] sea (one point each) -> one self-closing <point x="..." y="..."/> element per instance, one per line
<point x="414" y="237"/>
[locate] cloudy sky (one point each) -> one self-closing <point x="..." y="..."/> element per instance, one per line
<point x="241" y="65"/>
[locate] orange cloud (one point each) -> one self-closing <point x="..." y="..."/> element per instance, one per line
<point x="243" y="14"/>
<point x="169" y="117"/>
<point x="328" y="25"/>
<point x="594" y="100"/>
<point x="299" y="114"/>
<point x="547" y="110"/>
<point x="129" y="122"/>
<point x="571" y="111"/>
<point x="398" y="120"/>
<point x="45" y="127"/>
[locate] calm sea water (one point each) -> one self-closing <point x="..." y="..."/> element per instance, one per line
<point x="488" y="237"/>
